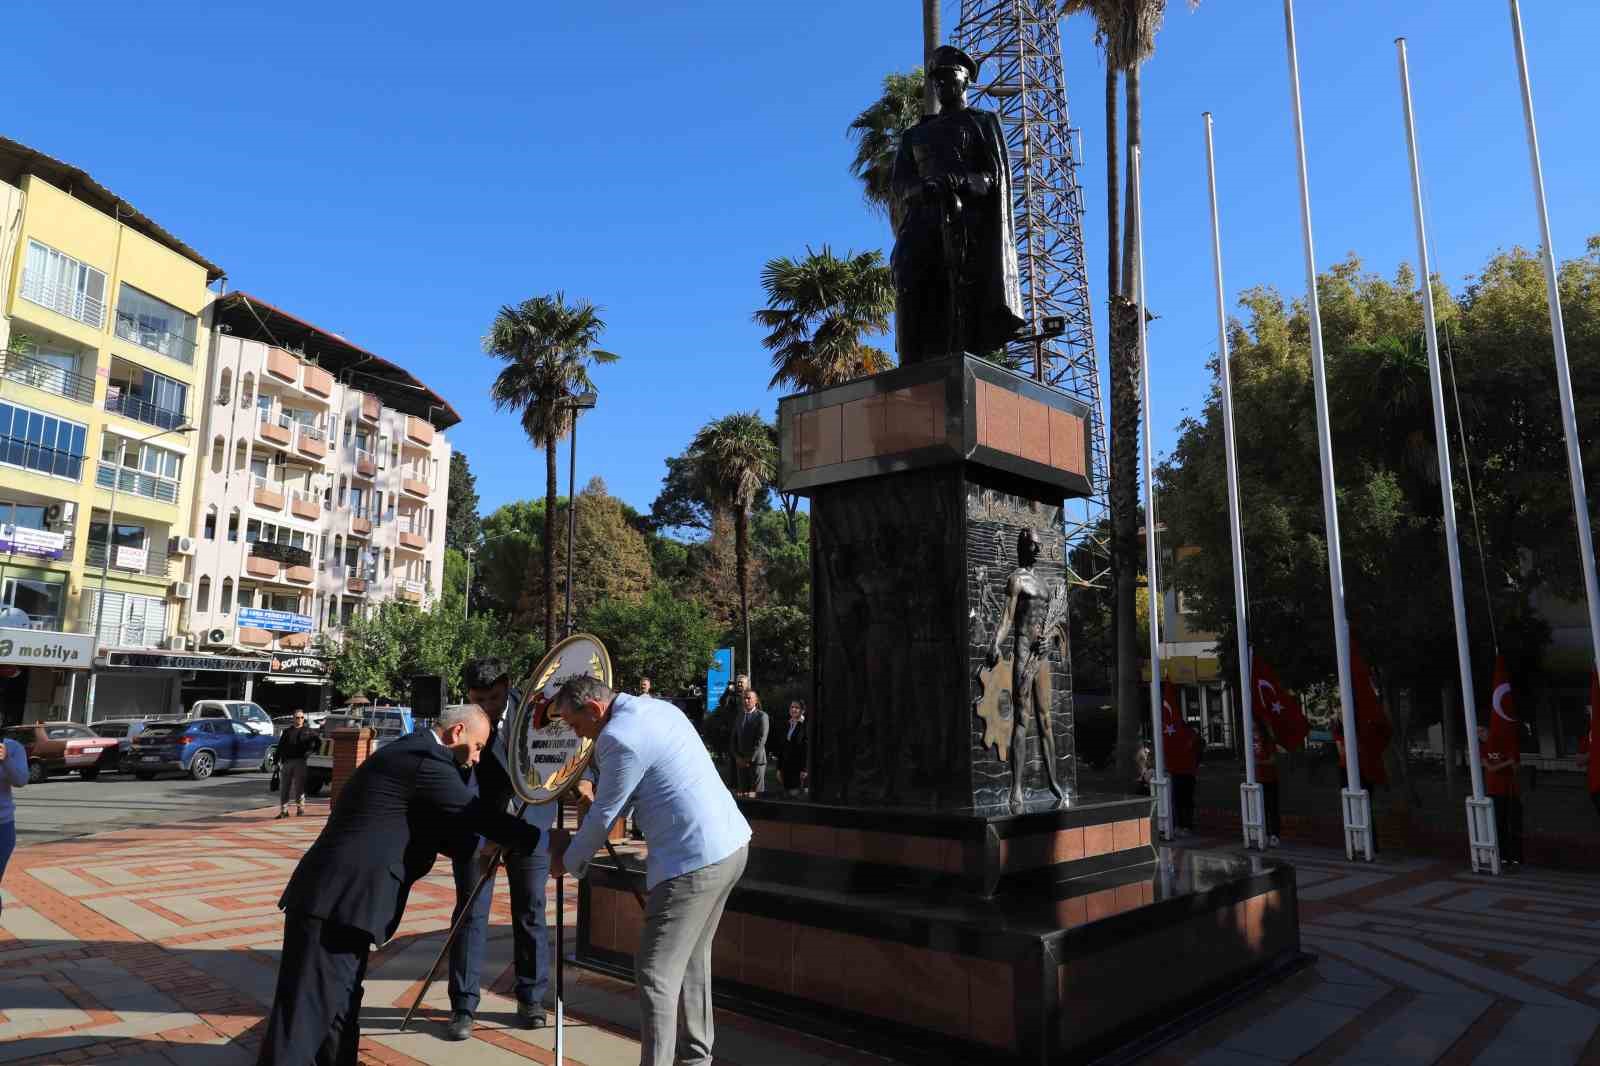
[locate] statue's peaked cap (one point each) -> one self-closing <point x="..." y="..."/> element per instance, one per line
<point x="948" y="55"/>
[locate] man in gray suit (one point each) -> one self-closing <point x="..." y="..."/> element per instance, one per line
<point x="750" y="746"/>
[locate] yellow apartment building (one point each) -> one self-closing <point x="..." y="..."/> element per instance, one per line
<point x="104" y="349"/>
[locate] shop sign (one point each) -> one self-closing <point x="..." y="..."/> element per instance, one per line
<point x="140" y="660"/>
<point x="35" y="647"/>
<point x="299" y="665"/>
<point x="275" y="621"/>
<point x="20" y="540"/>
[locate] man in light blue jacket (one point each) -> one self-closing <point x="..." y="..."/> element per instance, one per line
<point x="13" y="774"/>
<point x="648" y="753"/>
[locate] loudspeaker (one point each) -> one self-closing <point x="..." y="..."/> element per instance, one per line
<point x="427" y="697"/>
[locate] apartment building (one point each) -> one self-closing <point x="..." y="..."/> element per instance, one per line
<point x="322" y="480"/>
<point x="102" y="346"/>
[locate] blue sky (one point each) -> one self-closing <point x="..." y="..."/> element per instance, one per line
<point x="396" y="175"/>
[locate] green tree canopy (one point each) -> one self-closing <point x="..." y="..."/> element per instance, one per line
<point x="610" y="557"/>
<point x="661" y="636"/>
<point x="379" y="654"/>
<point x="819" y="310"/>
<point x="461" y="528"/>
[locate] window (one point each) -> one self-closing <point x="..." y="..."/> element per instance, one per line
<point x="209" y="530"/>
<point x="64" y="285"/>
<point x="233" y="524"/>
<point x="202" y="595"/>
<point x="157" y="470"/>
<point x="155" y="324"/>
<point x="219" y="448"/>
<point x="358" y="501"/>
<point x="27" y="515"/>
<point x="247" y="597"/>
<point x="40" y="598"/>
<point x="37" y="441"/>
<point x="127" y="620"/>
<point x="343" y="490"/>
<point x="387" y="562"/>
<point x="226" y="606"/>
<point x="383" y="452"/>
<point x="146" y="396"/>
<point x="347" y="611"/>
<point x="127" y="535"/>
<point x="247" y="390"/>
<point x="241" y="455"/>
<point x="225" y="386"/>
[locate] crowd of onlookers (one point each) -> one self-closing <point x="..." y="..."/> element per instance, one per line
<point x="757" y="758"/>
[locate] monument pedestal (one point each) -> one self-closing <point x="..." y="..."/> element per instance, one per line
<point x="910" y="908"/>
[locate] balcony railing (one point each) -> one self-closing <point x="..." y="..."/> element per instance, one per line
<point x="62" y="300"/>
<point x="157" y="563"/>
<point x="46" y="377"/>
<point x="172" y="345"/>
<point x="161" y="489"/>
<point x="50" y="623"/>
<point x="143" y="411"/>
<point x="124" y="634"/>
<point x="15" y="451"/>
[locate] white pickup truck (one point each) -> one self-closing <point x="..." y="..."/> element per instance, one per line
<point x="387" y="723"/>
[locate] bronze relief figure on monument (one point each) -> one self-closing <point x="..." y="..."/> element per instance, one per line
<point x="955" y="256"/>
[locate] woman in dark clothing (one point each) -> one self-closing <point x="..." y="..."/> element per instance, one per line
<point x="792" y="751"/>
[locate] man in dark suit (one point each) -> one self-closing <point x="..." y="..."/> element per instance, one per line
<point x="750" y="747"/>
<point x="399" y="810"/>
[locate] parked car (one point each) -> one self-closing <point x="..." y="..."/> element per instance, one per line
<point x="60" y="747"/>
<point x="198" y="748"/>
<point x="387" y="723"/>
<point x="249" y="714"/>
<point x="123" y="730"/>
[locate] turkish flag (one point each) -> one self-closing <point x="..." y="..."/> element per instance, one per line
<point x="1275" y="706"/>
<point x="1179" y="741"/>
<point x="1591" y="739"/>
<point x="1373" y="729"/>
<point x="1505" y="739"/>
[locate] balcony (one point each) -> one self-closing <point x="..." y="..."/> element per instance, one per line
<point x="155" y="338"/>
<point x="142" y="562"/>
<point x="283" y="366"/>
<point x="316" y="381"/>
<point x="160" y="489"/>
<point x="311" y="441"/>
<point x="256" y="566"/>
<point x="123" y="634"/>
<point x="37" y="288"/>
<point x="43" y="623"/>
<point x="418" y="432"/>
<point x="409" y="591"/>
<point x="366" y="464"/>
<point x="371" y="409"/>
<point x="46" y="377"/>
<point x="294" y="641"/>
<point x="412" y="538"/>
<point x="277" y="429"/>
<point x="141" y="410"/>
<point x="268" y="494"/>
<point x="356" y="585"/>
<point x="415" y="487"/>
<point x="300" y="575"/>
<point x="304" y="505"/>
<point x="18" y="451"/>
<point x="251" y="637"/>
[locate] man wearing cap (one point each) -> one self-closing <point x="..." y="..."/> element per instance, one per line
<point x="955" y="257"/>
<point x="488" y="685"/>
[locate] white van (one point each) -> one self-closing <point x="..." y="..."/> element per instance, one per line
<point x="249" y="715"/>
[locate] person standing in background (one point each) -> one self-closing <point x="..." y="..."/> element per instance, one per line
<point x="13" y="774"/>
<point x="296" y="743"/>
<point x="1590" y="741"/>
<point x="1181" y="747"/>
<point x="1500" y="781"/>
<point x="750" y="747"/>
<point x="644" y="686"/>
<point x="1266" y="750"/>
<point x="792" y="754"/>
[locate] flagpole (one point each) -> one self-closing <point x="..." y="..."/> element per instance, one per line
<point x="1357" y="807"/>
<point x="1558" y="335"/>
<point x="1482" y="847"/>
<point x="1250" y="805"/>
<point x="1159" y="785"/>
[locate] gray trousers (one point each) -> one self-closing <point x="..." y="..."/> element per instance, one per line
<point x="291" y="781"/>
<point x="674" y="962"/>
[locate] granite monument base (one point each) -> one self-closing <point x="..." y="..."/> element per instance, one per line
<point x="862" y="924"/>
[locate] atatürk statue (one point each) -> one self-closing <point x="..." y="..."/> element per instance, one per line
<point x="1033" y="618"/>
<point x="955" y="257"/>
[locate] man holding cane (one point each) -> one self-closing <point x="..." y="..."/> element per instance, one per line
<point x="647" y="752"/>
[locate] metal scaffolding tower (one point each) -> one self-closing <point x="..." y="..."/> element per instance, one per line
<point x="1018" y="45"/>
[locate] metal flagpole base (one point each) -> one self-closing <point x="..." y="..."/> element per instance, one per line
<point x="1357" y="824"/>
<point x="1481" y="838"/>
<point x="1252" y="816"/>
<point x="1161" y="792"/>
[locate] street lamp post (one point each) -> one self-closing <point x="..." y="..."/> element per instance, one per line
<point x="105" y="563"/>
<point x="466" y="606"/>
<point x="584" y="401"/>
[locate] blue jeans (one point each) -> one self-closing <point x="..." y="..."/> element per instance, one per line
<point x="526" y="874"/>
<point x="8" y="844"/>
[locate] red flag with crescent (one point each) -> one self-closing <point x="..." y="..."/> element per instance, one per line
<point x="1505" y="740"/>
<point x="1591" y="739"/>
<point x="1373" y="728"/>
<point x="1179" y="741"/>
<point x="1276" y="706"/>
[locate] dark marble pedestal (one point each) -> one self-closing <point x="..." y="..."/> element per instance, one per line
<point x="859" y="924"/>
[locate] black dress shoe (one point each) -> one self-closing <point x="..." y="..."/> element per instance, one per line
<point x="460" y="1027"/>
<point x="531" y="1015"/>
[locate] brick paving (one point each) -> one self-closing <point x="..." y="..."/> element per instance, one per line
<point x="159" y="945"/>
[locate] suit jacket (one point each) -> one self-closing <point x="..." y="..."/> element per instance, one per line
<point x="399" y="810"/>
<point x="792" y="753"/>
<point x="750" y="737"/>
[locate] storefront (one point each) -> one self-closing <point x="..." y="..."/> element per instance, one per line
<point x="295" y="683"/>
<point x="39" y="673"/>
<point x="142" y="684"/>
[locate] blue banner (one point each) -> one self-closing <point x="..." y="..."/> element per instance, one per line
<point x="719" y="677"/>
<point x="275" y="621"/>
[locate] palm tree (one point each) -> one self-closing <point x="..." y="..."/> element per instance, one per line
<point x="1125" y="30"/>
<point x="548" y="347"/>
<point x="877" y="131"/>
<point x="737" y="459"/>
<point x="818" y="309"/>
